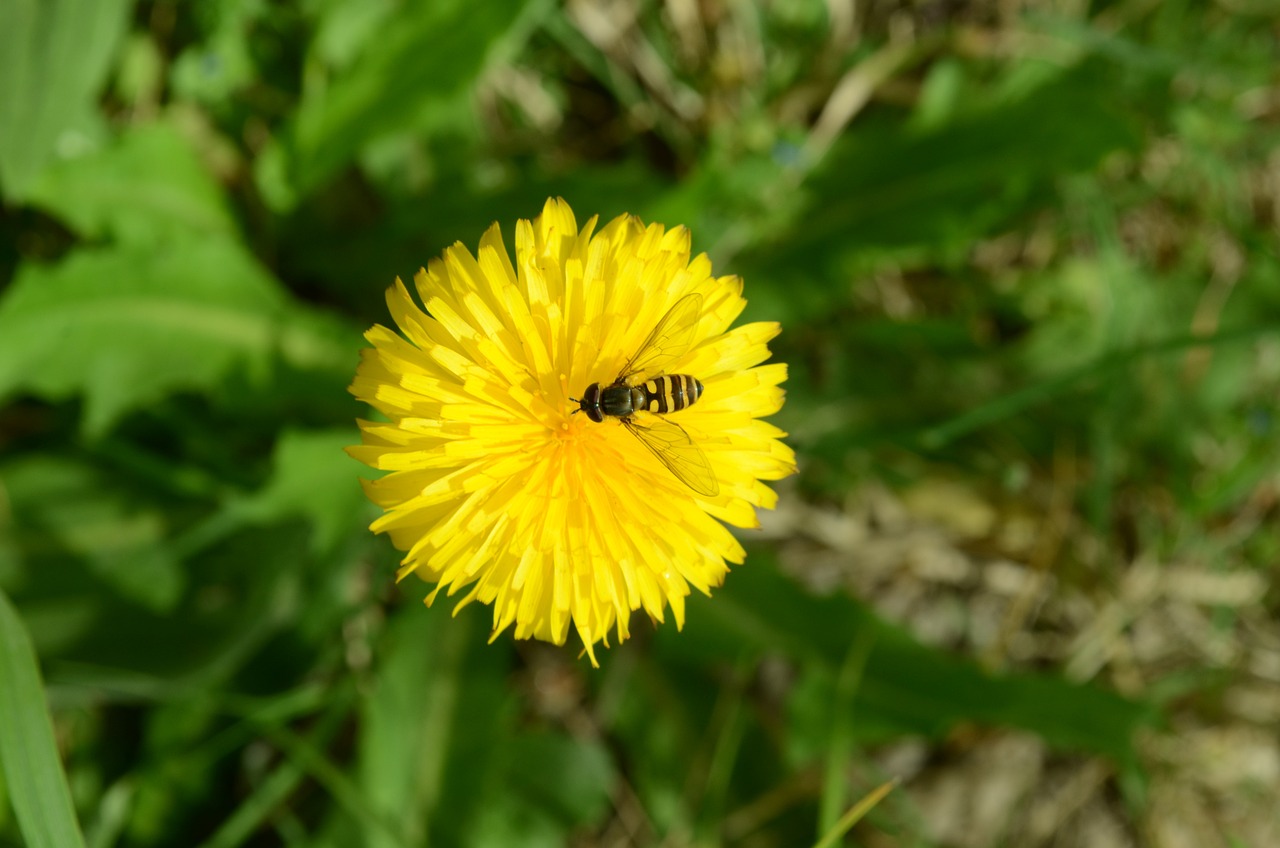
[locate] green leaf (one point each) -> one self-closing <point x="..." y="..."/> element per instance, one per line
<point x="66" y="507"/>
<point x="552" y="785"/>
<point x="572" y="779"/>
<point x="344" y="29"/>
<point x="147" y="186"/>
<point x="36" y="783"/>
<point x="441" y="754"/>
<point x="304" y="756"/>
<point x="373" y="252"/>
<point x="126" y="326"/>
<point x="54" y="57"/>
<point x="434" y="724"/>
<point x="421" y="57"/>
<point x="906" y="687"/>
<point x="903" y="186"/>
<point x="314" y="479"/>
<point x="222" y="66"/>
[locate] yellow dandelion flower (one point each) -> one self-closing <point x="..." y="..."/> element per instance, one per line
<point x="498" y="485"/>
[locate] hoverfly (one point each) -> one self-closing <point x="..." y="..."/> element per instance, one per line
<point x="661" y="394"/>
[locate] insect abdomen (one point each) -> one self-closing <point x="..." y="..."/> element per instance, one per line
<point x="668" y="393"/>
<point x="671" y="393"/>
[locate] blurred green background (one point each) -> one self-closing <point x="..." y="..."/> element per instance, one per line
<point x="1025" y="257"/>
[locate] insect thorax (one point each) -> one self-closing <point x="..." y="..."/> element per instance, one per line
<point x="620" y="400"/>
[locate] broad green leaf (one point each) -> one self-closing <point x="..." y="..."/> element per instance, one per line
<point x="7" y="823"/>
<point x="248" y="591"/>
<point x="314" y="479"/>
<point x="667" y="723"/>
<point x="54" y="56"/>
<point x="64" y="507"/>
<point x="33" y="772"/>
<point x="344" y="29"/>
<point x="420" y="58"/>
<point x="906" y="687"/>
<point x="552" y="784"/>
<point x="126" y="326"/>
<point x="441" y="753"/>
<point x="433" y="724"/>
<point x="513" y="822"/>
<point x="147" y="186"/>
<point x="570" y="779"/>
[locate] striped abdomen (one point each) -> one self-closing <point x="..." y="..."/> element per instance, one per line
<point x="671" y="393"/>
<point x="668" y="393"/>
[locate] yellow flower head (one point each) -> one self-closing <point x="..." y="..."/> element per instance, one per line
<point x="497" y="481"/>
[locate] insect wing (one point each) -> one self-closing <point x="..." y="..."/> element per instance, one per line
<point x="672" y="445"/>
<point x="669" y="340"/>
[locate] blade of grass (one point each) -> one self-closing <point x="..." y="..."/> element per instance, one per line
<point x="267" y="797"/>
<point x="1124" y="303"/>
<point x="898" y="693"/>
<point x="37" y="785"/>
<point x="112" y="815"/>
<point x="834" y="780"/>
<point x="855" y="814"/>
<point x="729" y="726"/>
<point x="1013" y="403"/>
<point x="341" y="788"/>
<point x="628" y="92"/>
<point x="438" y="732"/>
